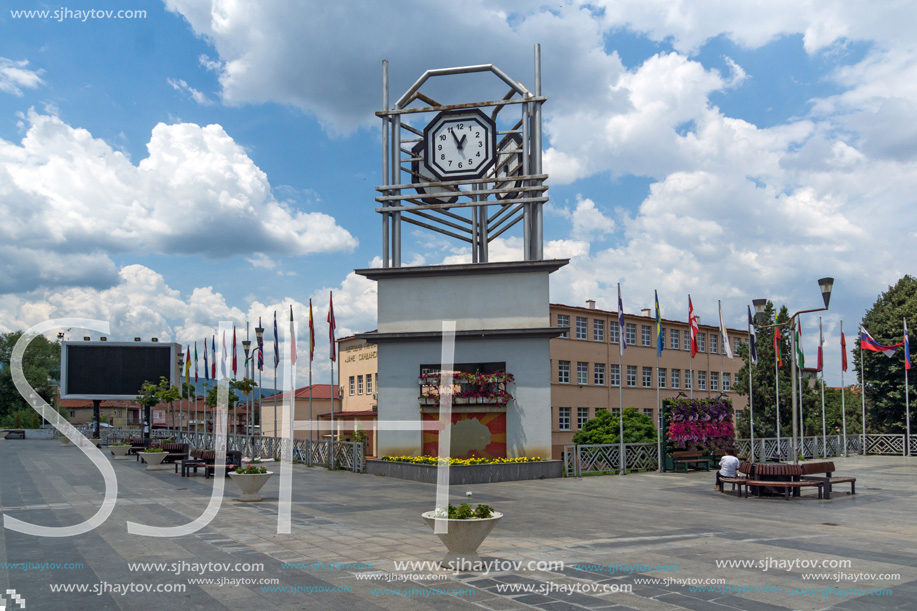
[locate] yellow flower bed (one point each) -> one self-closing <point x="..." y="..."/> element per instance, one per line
<point x="436" y="460"/>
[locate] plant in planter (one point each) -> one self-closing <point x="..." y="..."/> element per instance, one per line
<point x="250" y="479"/>
<point x="153" y="458"/>
<point x="466" y="530"/>
<point x="119" y="450"/>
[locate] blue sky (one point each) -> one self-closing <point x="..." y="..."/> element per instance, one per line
<point x="211" y="161"/>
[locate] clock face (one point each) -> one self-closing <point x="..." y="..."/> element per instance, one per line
<point x="459" y="144"/>
<point x="420" y="173"/>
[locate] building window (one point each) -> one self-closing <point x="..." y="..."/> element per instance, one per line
<point x="676" y="378"/>
<point x="674" y="338"/>
<point x="582" y="417"/>
<point x="630" y="330"/>
<point x="689" y="379"/>
<point x="563" y="372"/>
<point x="701" y="342"/>
<point x="598" y="330"/>
<point x="598" y="377"/>
<point x="71" y="414"/>
<point x="614" y="373"/>
<point x="661" y="375"/>
<point x="369" y="383"/>
<point x="714" y="343"/>
<point x="738" y="342"/>
<point x="582" y="372"/>
<point x="563" y="418"/>
<point x="581" y="325"/>
<point x="701" y="380"/>
<point x="352" y="385"/>
<point x="615" y="411"/>
<point x="714" y="381"/>
<point x="687" y="345"/>
<point x="614" y="332"/>
<point x="377" y="382"/>
<point x="647" y="377"/>
<point x="631" y="375"/>
<point x="648" y="411"/>
<point x="662" y="335"/>
<point x="359" y="385"/>
<point x="646" y="337"/>
<point x="727" y="383"/>
<point x="563" y="321"/>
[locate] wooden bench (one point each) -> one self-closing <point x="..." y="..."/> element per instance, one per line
<point x="811" y="470"/>
<point x="233" y="461"/>
<point x="793" y="483"/>
<point x="193" y="461"/>
<point x="176" y="451"/>
<point x="745" y="469"/>
<point x="690" y="457"/>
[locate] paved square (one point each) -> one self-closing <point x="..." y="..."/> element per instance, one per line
<point x="628" y="542"/>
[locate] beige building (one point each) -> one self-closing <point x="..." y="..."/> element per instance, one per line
<point x="585" y="369"/>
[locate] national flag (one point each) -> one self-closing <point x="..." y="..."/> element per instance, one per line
<point x="260" y="347"/>
<point x="622" y="345"/>
<point x="188" y="365"/>
<point x="692" y="320"/>
<point x="843" y="349"/>
<point x="206" y="363"/>
<point x="311" y="334"/>
<point x="867" y="342"/>
<point x="659" y="342"/>
<point x="223" y="357"/>
<point x="292" y="338"/>
<point x="195" y="361"/>
<point x="777" y="346"/>
<point x="723" y="331"/>
<point x="907" y="348"/>
<point x="234" y="363"/>
<point x="752" y="339"/>
<point x="331" y="324"/>
<point x="821" y="342"/>
<point x="213" y="358"/>
<point x="276" y="343"/>
<point x="800" y="357"/>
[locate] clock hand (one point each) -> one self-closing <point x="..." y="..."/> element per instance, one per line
<point x="457" y="141"/>
<point x="461" y="144"/>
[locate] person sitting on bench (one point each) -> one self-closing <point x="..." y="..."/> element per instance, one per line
<point x="728" y="466"/>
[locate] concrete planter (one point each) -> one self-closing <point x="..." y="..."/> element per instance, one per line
<point x="468" y="474"/>
<point x="250" y="484"/>
<point x="64" y="441"/>
<point x="462" y="538"/>
<point x="119" y="452"/>
<point x="154" y="460"/>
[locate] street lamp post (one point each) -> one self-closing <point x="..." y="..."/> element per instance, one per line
<point x="259" y="335"/>
<point x="181" y="404"/>
<point x="825" y="285"/>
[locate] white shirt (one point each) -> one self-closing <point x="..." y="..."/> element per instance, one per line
<point x="728" y="466"/>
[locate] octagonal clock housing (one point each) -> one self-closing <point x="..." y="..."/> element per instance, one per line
<point x="460" y="144"/>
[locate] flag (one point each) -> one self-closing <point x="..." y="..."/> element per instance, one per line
<point x="907" y="348"/>
<point x="260" y="347"/>
<point x="622" y="345"/>
<point x="276" y="343"/>
<point x="234" y="365"/>
<point x="311" y="334"/>
<point x="213" y="357"/>
<point x="692" y="320"/>
<point x="800" y="357"/>
<point x="868" y="343"/>
<point x="777" y="354"/>
<point x="331" y="324"/>
<point x="195" y="361"/>
<point x="292" y="338"/>
<point x="188" y="365"/>
<point x="223" y="357"/>
<point x="752" y="339"/>
<point x="723" y="331"/>
<point x="843" y="349"/>
<point x="659" y="342"/>
<point x="821" y="340"/>
<point x="206" y="363"/>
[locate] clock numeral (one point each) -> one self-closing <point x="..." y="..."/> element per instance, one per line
<point x="460" y="126"/>
<point x="450" y="161"/>
<point x="442" y="137"/>
<point x="480" y="143"/>
<point x="439" y="147"/>
<point x="477" y="134"/>
<point x="443" y="156"/>
<point x="460" y="164"/>
<point x="479" y="153"/>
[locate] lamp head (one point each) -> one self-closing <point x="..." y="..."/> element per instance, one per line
<point x="247" y="346"/>
<point x="259" y="332"/>
<point x="826" y="284"/>
<point x="760" y="305"/>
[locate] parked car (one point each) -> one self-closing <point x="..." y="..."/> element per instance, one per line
<point x="14" y="434"/>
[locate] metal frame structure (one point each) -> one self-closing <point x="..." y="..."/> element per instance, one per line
<point x="466" y="213"/>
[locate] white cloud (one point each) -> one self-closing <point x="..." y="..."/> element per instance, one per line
<point x="589" y="223"/>
<point x="15" y="76"/>
<point x="70" y="201"/>
<point x="197" y="96"/>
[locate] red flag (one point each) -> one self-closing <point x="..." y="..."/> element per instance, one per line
<point x="777" y="347"/>
<point x="331" y="324"/>
<point x="821" y="340"/>
<point x="692" y="320"/>
<point x="311" y="334"/>
<point x="292" y="338"/>
<point x="843" y="352"/>
<point x="234" y="351"/>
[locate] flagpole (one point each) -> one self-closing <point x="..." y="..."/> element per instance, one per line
<point x="824" y="435"/>
<point x="907" y="398"/>
<point x="622" y="464"/>
<point x="843" y="390"/>
<point x="863" y="394"/>
<point x="690" y="345"/>
<point x="752" y="345"/>
<point x="777" y="377"/>
<point x="659" y="348"/>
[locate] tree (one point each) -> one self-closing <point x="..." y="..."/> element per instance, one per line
<point x="638" y="428"/>
<point x="765" y="386"/>
<point x="168" y="393"/>
<point x="884" y="381"/>
<point x="40" y="362"/>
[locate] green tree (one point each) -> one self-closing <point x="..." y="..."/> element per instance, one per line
<point x="168" y="393"/>
<point x="884" y="381"/>
<point x="765" y="383"/>
<point x="40" y="362"/>
<point x="638" y="428"/>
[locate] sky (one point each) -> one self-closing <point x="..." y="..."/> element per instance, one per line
<point x="199" y="161"/>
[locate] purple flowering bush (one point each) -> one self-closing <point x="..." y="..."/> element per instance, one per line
<point x="700" y="424"/>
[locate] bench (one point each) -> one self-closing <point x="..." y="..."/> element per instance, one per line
<point x="810" y="472"/>
<point x="745" y="469"/>
<point x="177" y="451"/>
<point x="233" y="461"/>
<point x="696" y="458"/>
<point x="793" y="472"/>
<point x="193" y="461"/>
